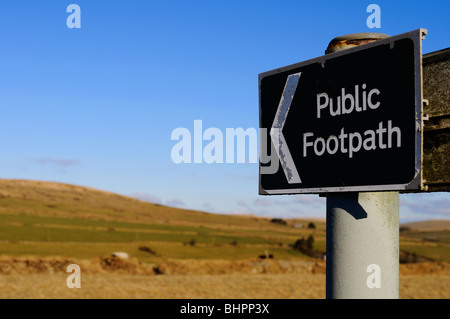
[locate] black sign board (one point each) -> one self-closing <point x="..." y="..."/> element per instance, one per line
<point x="346" y="121"/>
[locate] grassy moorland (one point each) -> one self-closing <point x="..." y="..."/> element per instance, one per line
<point x="50" y="219"/>
<point x="53" y="219"/>
<point x="46" y="226"/>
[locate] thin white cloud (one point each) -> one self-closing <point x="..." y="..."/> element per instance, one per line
<point x="437" y="208"/>
<point x="56" y="161"/>
<point x="243" y="204"/>
<point x="147" y="198"/>
<point x="175" y="202"/>
<point x="237" y="212"/>
<point x="264" y="202"/>
<point x="309" y="199"/>
<point x="209" y="208"/>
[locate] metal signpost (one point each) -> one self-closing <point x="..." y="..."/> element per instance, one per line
<point x="349" y="126"/>
<point x="347" y="121"/>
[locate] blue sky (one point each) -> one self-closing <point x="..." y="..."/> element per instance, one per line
<point x="96" y="106"/>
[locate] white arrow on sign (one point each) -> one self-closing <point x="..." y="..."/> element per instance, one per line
<point x="276" y="131"/>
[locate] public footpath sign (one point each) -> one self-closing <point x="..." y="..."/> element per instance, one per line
<point x="345" y="121"/>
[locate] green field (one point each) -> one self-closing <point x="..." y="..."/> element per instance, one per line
<point x="50" y="219"/>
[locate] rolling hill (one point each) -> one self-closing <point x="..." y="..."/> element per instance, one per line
<point x="429" y="225"/>
<point x="54" y="219"/>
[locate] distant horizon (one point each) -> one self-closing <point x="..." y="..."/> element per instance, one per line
<point x="289" y="217"/>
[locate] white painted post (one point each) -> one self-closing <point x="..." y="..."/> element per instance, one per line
<point x="362" y="248"/>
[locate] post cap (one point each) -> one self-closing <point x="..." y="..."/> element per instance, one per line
<point x="352" y="40"/>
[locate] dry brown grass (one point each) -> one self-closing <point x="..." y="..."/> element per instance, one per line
<point x="250" y="286"/>
<point x="107" y="278"/>
<point x="105" y="286"/>
<point x="429" y="225"/>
